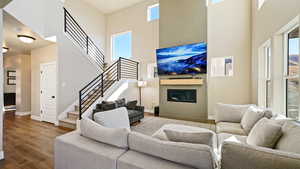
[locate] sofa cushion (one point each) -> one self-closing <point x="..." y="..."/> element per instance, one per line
<point x="251" y="117"/>
<point x="108" y="106"/>
<point x="116" y="118"/>
<point x="160" y="134"/>
<point x="290" y="140"/>
<point x="190" y="137"/>
<point x="230" y="113"/>
<point x="131" y="104"/>
<point x="120" y="102"/>
<point x="231" y="128"/>
<point x="194" y="155"/>
<point x="112" y="136"/>
<point x="223" y="137"/>
<point x="72" y="151"/>
<point x="265" y="133"/>
<point x="136" y="160"/>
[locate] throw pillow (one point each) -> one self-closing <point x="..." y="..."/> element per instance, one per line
<point x="251" y="117"/>
<point x="190" y="137"/>
<point x="108" y="106"/>
<point x="120" y="103"/>
<point x="131" y="104"/>
<point x="116" y="118"/>
<point x="291" y="137"/>
<point x="265" y="133"/>
<point x="112" y="136"/>
<point x="230" y="113"/>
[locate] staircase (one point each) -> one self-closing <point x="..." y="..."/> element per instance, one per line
<point x="121" y="69"/>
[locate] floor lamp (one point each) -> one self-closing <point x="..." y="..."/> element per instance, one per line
<point x="141" y="84"/>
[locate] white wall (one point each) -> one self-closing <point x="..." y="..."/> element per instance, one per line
<point x="267" y="24"/>
<point x="10" y="63"/>
<point x="1" y="86"/>
<point x="144" y="42"/>
<point x="39" y="56"/>
<point x="229" y="34"/>
<point x="90" y="19"/>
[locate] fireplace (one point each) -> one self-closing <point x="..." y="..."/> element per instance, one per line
<point x="182" y="95"/>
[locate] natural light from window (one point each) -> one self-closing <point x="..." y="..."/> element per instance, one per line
<point x="153" y="12"/>
<point x="260" y="3"/>
<point x="122" y="45"/>
<point x="216" y="1"/>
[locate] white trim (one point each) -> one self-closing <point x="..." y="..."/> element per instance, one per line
<point x="1" y="155"/>
<point x="36" y="117"/>
<point x="22" y="113"/>
<point x="149" y="12"/>
<point x="149" y="111"/>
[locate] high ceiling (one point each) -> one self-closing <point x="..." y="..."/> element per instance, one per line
<point x="109" y="6"/>
<point x="12" y="28"/>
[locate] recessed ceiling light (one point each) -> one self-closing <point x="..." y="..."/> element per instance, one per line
<point x="4" y="49"/>
<point x="26" y="39"/>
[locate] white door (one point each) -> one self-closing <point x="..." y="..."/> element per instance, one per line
<point x="48" y="92"/>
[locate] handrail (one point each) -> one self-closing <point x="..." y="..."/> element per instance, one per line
<point x="72" y="28"/>
<point x="99" y="85"/>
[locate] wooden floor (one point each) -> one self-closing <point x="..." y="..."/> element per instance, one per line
<point x="28" y="144"/>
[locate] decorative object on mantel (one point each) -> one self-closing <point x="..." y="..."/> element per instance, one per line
<point x="222" y="67"/>
<point x="178" y="82"/>
<point x="11" y="77"/>
<point x="141" y="84"/>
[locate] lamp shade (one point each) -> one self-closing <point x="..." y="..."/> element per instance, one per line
<point x="142" y="83"/>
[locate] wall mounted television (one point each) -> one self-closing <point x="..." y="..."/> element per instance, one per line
<point x="188" y="59"/>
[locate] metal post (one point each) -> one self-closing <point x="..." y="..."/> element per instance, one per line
<point x="87" y="45"/>
<point x="80" y="106"/>
<point x="137" y="70"/>
<point x="102" y="86"/>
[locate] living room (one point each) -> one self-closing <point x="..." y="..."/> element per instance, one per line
<point x="198" y="84"/>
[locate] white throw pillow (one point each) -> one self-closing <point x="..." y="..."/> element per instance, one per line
<point x="190" y="137"/>
<point x="251" y="117"/>
<point x="116" y="118"/>
<point x="113" y="136"/>
<point x="230" y="113"/>
<point x="265" y="133"/>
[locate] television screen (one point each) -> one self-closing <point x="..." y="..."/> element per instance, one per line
<point x="182" y="60"/>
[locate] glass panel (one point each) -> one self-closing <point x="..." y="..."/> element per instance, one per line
<point x="121" y="46"/>
<point x="293" y="53"/>
<point x="153" y="12"/>
<point x="293" y="98"/>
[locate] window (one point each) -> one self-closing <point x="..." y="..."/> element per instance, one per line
<point x="268" y="86"/>
<point x="153" y="12"/>
<point x="122" y="45"/>
<point x="216" y="1"/>
<point x="292" y="74"/>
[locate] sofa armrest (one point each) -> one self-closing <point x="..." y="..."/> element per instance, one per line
<point x="237" y="156"/>
<point x="138" y="108"/>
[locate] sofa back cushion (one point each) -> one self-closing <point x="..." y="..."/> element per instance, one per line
<point x="113" y="136"/>
<point x="194" y="155"/>
<point x="290" y="140"/>
<point x="116" y="118"/>
<point x="230" y="113"/>
<point x="265" y="133"/>
<point x="251" y="117"/>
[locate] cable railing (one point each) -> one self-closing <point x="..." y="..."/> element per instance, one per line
<point x="121" y="69"/>
<point x="73" y="29"/>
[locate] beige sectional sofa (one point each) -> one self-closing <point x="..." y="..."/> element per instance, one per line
<point x="236" y="153"/>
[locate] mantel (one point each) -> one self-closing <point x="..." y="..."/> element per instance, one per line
<point x="181" y="82"/>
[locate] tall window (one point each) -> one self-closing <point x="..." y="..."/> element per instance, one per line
<point x="153" y="12"/>
<point x="216" y="1"/>
<point x="292" y="78"/>
<point x="268" y="76"/>
<point x="122" y="45"/>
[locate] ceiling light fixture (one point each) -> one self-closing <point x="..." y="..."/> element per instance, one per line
<point x="4" y="49"/>
<point x="26" y="39"/>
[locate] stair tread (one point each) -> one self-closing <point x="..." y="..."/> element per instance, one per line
<point x="67" y="120"/>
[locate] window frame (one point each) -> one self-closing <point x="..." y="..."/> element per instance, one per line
<point x="268" y="72"/>
<point x="112" y="43"/>
<point x="287" y="77"/>
<point x="149" y="12"/>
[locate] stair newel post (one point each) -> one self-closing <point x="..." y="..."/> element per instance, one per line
<point x="119" y="69"/>
<point x="80" y="106"/>
<point x="87" y="45"/>
<point x="137" y="70"/>
<point x="102" y="86"/>
<point x="65" y="22"/>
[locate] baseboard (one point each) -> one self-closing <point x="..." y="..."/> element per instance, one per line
<point x="1" y="155"/>
<point x="149" y="111"/>
<point x="35" y="117"/>
<point x="22" y="113"/>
